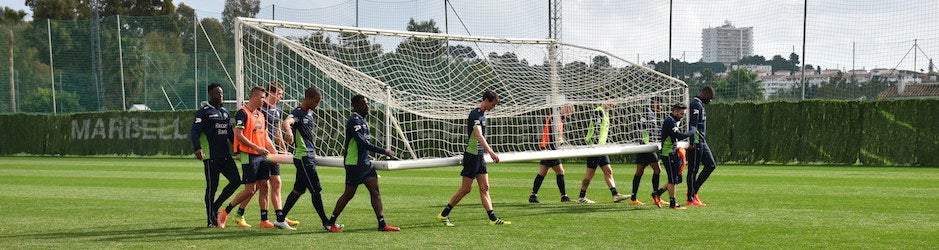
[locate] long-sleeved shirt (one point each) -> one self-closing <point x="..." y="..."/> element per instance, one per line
<point x="357" y="142"/>
<point x="212" y="132"/>
<point x="671" y="133"/>
<point x="698" y="120"/>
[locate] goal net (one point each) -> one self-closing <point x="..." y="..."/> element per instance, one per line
<point x="422" y="86"/>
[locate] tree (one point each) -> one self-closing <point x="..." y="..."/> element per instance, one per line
<point x="794" y="59"/>
<point x="58" y="9"/>
<point x="238" y="8"/>
<point x="780" y="63"/>
<point x="752" y="60"/>
<point x="744" y="85"/>
<point x="600" y="62"/>
<point x="40" y="101"/>
<point x="11" y="16"/>
<point x="422" y="48"/>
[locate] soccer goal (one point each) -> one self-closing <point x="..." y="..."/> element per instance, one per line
<point x="422" y="86"/>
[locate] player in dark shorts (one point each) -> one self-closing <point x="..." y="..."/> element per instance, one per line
<point x="597" y="135"/>
<point x="301" y="125"/>
<point x="548" y="142"/>
<point x="253" y="145"/>
<point x="474" y="164"/>
<point x="671" y="155"/>
<point x="700" y="153"/>
<point x="358" y="165"/>
<point x="211" y="136"/>
<point x="648" y="128"/>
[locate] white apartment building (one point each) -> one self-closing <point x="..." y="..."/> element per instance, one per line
<point x="726" y="44"/>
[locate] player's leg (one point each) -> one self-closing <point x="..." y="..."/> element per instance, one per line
<point x="483" y="180"/>
<point x="354" y="176"/>
<point x="641" y="163"/>
<point x="539" y="178"/>
<point x="211" y="185"/>
<point x="611" y="183"/>
<point x="249" y="171"/>
<point x="471" y="165"/>
<point x="707" y="160"/>
<point x="371" y="183"/>
<point x="585" y="183"/>
<point x="690" y="178"/>
<point x="562" y="187"/>
<point x="312" y="181"/>
<point x="300" y="186"/>
<point x="230" y="171"/>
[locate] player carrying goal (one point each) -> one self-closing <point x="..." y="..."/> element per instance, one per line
<point x="597" y="134"/>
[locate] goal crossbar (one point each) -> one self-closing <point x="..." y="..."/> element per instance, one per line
<point x="564" y="152"/>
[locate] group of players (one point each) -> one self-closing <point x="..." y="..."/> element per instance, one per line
<point x="673" y="156"/>
<point x="257" y="127"/>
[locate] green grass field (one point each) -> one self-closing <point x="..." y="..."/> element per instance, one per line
<point x="99" y="203"/>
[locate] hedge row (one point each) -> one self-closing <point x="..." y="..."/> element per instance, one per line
<point x="840" y="132"/>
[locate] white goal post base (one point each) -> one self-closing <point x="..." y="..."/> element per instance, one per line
<point x="564" y="152"/>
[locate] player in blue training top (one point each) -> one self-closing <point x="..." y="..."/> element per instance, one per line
<point x="597" y="133"/>
<point x="548" y="141"/>
<point x="474" y="164"/>
<point x="358" y="165"/>
<point x="211" y="136"/>
<point x="671" y="155"/>
<point x="300" y="125"/>
<point x="700" y="152"/>
<point x="648" y="128"/>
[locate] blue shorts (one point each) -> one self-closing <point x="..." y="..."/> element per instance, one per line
<point x="672" y="166"/>
<point x="597" y="161"/>
<point x="473" y="165"/>
<point x="550" y="163"/>
<point x="357" y="174"/>
<point x="647" y="158"/>
<point x="253" y="168"/>
<point x="307" y="178"/>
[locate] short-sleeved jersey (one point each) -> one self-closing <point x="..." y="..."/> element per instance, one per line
<point x="302" y="127"/>
<point x="254" y="128"/>
<point x="671" y="133"/>
<point x="599" y="128"/>
<point x="477" y="118"/>
<point x="212" y="132"/>
<point x="648" y="128"/>
<point x="698" y="119"/>
<point x="357" y="142"/>
<point x="547" y="135"/>
<point x="272" y="114"/>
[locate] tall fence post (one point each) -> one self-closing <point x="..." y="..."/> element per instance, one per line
<point x="12" y="81"/>
<point x="120" y="53"/>
<point x="51" y="68"/>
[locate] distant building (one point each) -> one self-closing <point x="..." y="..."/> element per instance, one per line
<point x="911" y="91"/>
<point x="726" y="44"/>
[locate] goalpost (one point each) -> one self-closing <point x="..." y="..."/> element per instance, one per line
<point x="422" y="86"/>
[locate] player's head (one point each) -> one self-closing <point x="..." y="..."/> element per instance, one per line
<point x="256" y="97"/>
<point x="214" y="92"/>
<point x="275" y="91"/>
<point x="359" y="105"/>
<point x="311" y="98"/>
<point x="609" y="101"/>
<point x="490" y="100"/>
<point x="567" y="109"/>
<point x="655" y="103"/>
<point x="707" y="93"/>
<point x="678" y="110"/>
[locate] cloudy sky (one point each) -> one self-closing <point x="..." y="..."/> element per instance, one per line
<point x="865" y="33"/>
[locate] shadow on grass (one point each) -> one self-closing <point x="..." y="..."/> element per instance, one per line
<point x="110" y="234"/>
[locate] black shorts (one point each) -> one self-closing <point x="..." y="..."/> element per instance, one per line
<point x="356" y="174"/>
<point x="672" y="166"/>
<point x="307" y="178"/>
<point x="597" y="161"/>
<point x="550" y="163"/>
<point x="272" y="167"/>
<point x="253" y="168"/>
<point x="647" y="158"/>
<point x="473" y="165"/>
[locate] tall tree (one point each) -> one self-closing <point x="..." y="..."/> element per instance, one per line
<point x="238" y="8"/>
<point x="11" y="16"/>
<point x="741" y="85"/>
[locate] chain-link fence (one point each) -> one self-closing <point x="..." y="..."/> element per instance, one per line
<point x="850" y="50"/>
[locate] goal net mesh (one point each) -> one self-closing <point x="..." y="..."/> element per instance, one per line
<point x="422" y="86"/>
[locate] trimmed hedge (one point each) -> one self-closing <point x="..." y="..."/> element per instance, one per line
<point x="841" y="132"/>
